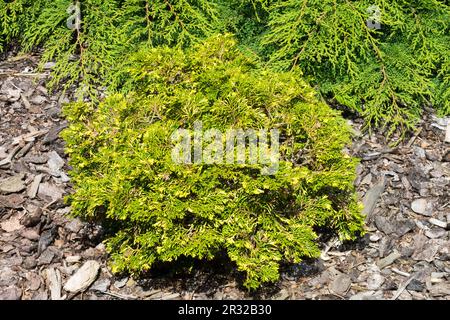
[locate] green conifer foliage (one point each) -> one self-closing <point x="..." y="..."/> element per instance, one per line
<point x="385" y="74"/>
<point x="108" y="31"/>
<point x="14" y="17"/>
<point x="123" y="172"/>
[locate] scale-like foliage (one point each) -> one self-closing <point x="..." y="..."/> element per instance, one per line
<point x="385" y="74"/>
<point x="108" y="31"/>
<point x="123" y="171"/>
<point x="16" y="16"/>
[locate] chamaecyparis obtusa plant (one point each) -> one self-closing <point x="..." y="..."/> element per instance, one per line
<point x="162" y="210"/>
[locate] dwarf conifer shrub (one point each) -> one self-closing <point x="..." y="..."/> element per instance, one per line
<point x="123" y="171"/>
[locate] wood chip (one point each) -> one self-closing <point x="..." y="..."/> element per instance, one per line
<point x="120" y="296"/>
<point x="13" y="201"/>
<point x="411" y="141"/>
<point x="83" y="278"/>
<point x="28" y="137"/>
<point x="54" y="283"/>
<point x="11" y="225"/>
<point x="34" y="187"/>
<point x="402" y="273"/>
<point x="24" y="150"/>
<point x="26" y="102"/>
<point x="390" y="259"/>
<point x="371" y="198"/>
<point x="170" y="296"/>
<point x="447" y="133"/>
<point x="12" y="184"/>
<point x="438" y="223"/>
<point x="53" y="134"/>
<point x="402" y="287"/>
<point x="11" y="155"/>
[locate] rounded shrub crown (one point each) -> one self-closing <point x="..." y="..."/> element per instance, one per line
<point x="124" y="170"/>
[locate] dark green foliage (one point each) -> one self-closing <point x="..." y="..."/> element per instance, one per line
<point x="385" y="74"/>
<point x="15" y="16"/>
<point x="108" y="31"/>
<point x="123" y="172"/>
<point x="84" y="54"/>
<point x="247" y="20"/>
